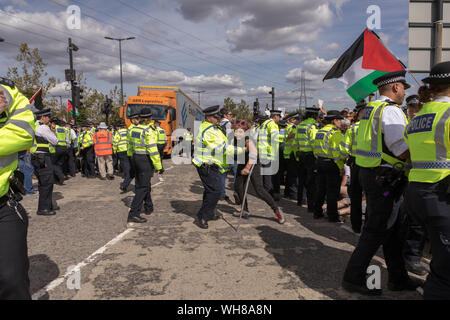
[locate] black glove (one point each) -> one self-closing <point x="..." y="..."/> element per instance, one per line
<point x="161" y="172"/>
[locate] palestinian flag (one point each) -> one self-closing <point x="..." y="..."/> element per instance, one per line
<point x="69" y="107"/>
<point x="37" y="99"/>
<point x="366" y="60"/>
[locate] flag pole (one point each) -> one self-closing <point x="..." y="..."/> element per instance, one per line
<point x="414" y="78"/>
<point x="410" y="73"/>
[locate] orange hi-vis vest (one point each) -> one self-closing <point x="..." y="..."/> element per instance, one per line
<point x="103" y="143"/>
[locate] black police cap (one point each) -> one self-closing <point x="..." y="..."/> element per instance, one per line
<point x="413" y="100"/>
<point x="43" y="113"/>
<point x="312" y="110"/>
<point x="392" y="77"/>
<point x="282" y="123"/>
<point x="275" y="113"/>
<point x="440" y="74"/>
<point x="146" y="113"/>
<point x="7" y="82"/>
<point x="334" y="115"/>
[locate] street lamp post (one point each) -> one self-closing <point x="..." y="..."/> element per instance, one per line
<point x="199" y="99"/>
<point x="121" y="70"/>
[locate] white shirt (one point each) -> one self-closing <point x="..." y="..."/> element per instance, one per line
<point x="45" y="132"/>
<point x="393" y="124"/>
<point x="74" y="135"/>
<point x="442" y="99"/>
<point x="225" y="122"/>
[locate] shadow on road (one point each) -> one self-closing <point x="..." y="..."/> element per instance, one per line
<point x="301" y="255"/>
<point x="128" y="201"/>
<point x="196" y="189"/>
<point x="57" y="196"/>
<point x="188" y="208"/>
<point x="42" y="271"/>
<point x="321" y="227"/>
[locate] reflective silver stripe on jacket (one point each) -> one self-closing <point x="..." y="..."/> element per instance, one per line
<point x="431" y="165"/>
<point x="439" y="138"/>
<point x="22" y="124"/>
<point x="368" y="154"/>
<point x="7" y="161"/>
<point x="375" y="127"/>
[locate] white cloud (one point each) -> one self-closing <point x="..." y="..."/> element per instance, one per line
<point x="319" y="66"/>
<point x="61" y="89"/>
<point x="299" y="51"/>
<point x="333" y="46"/>
<point x="47" y="31"/>
<point x="265" y="24"/>
<point x="135" y="74"/>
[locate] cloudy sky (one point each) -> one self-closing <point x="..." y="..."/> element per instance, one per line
<point x="228" y="48"/>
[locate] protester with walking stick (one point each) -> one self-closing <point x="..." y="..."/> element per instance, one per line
<point x="252" y="170"/>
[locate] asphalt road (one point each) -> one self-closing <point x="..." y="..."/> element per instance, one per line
<point x="170" y="258"/>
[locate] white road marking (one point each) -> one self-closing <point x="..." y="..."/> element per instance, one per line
<point x="55" y="283"/>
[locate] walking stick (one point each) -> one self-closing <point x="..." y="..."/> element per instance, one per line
<point x="245" y="196"/>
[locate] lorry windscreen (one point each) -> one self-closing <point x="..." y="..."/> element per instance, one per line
<point x="159" y="112"/>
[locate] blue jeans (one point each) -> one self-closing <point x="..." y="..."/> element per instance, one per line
<point x="233" y="168"/>
<point x="27" y="169"/>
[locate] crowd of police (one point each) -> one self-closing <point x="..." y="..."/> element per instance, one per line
<point x="56" y="151"/>
<point x="399" y="160"/>
<point x="401" y="166"/>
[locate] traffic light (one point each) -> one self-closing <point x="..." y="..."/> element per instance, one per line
<point x="78" y="96"/>
<point x="107" y="106"/>
<point x="272" y="93"/>
<point x="107" y="109"/>
<point x="256" y="107"/>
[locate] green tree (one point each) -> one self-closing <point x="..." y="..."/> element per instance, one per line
<point x="114" y="95"/>
<point x="30" y="74"/>
<point x="239" y="111"/>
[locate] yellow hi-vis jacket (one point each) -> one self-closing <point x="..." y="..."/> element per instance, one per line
<point x="326" y="144"/>
<point x="369" y="149"/>
<point x="211" y="147"/>
<point x="349" y="144"/>
<point x="429" y="143"/>
<point x="17" y="129"/>
<point x="305" y="136"/>
<point x="120" y="141"/>
<point x="143" y="140"/>
<point x="269" y="140"/>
